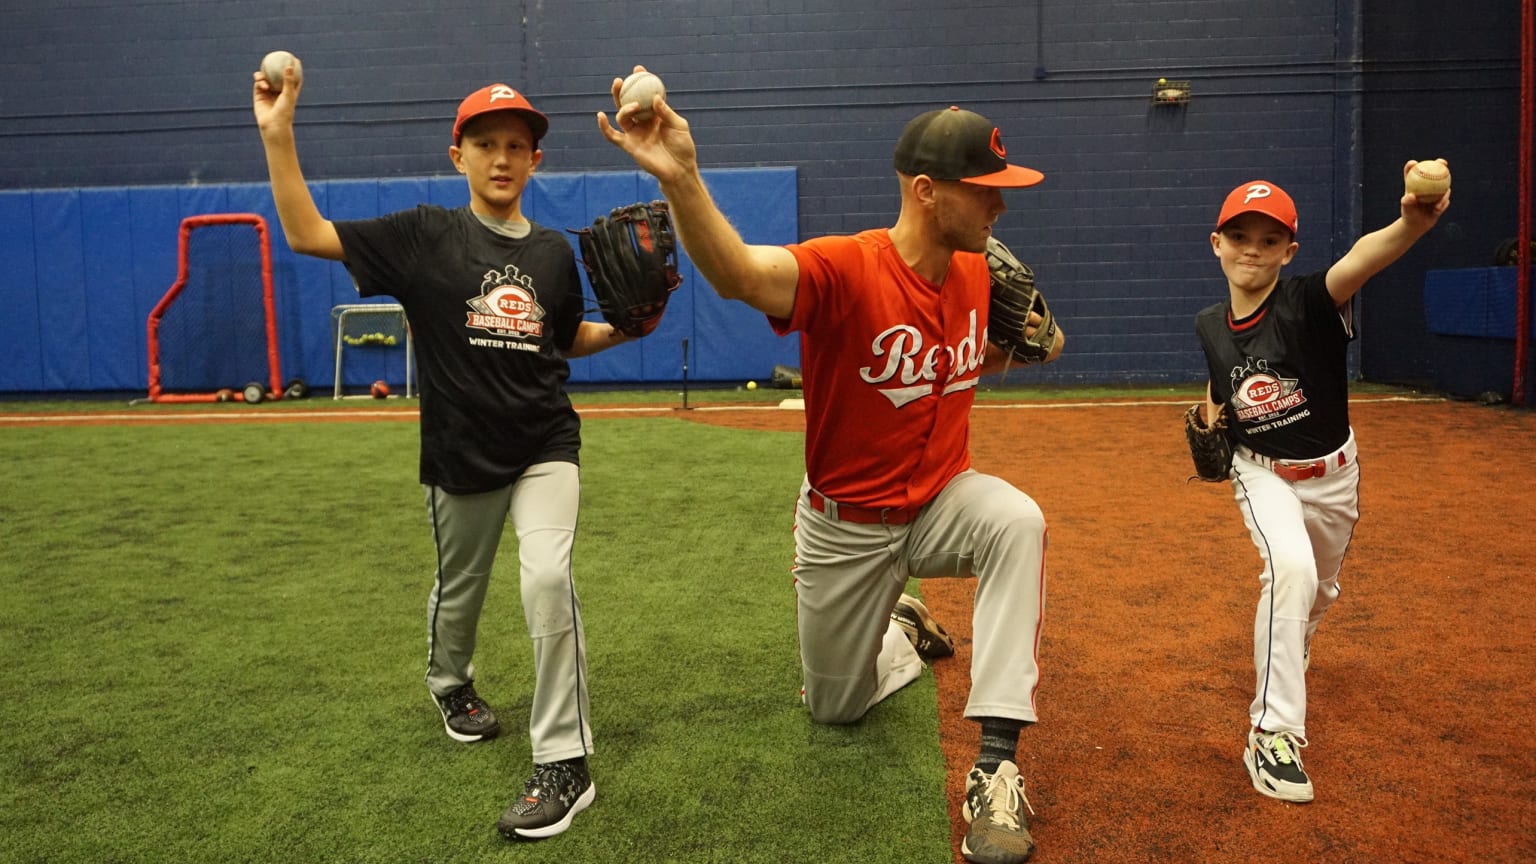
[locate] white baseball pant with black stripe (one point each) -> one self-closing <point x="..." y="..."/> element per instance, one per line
<point x="1302" y="530"/>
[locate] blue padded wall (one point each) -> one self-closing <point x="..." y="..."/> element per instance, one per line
<point x="20" y="328"/>
<point x="86" y="266"/>
<point x="1473" y="301"/>
<point x="1471" y="317"/>
<point x="117" y="353"/>
<point x="63" y="337"/>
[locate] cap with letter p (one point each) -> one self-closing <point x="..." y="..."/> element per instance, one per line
<point x="499" y="97"/>
<point x="955" y="144"/>
<point x="1259" y="196"/>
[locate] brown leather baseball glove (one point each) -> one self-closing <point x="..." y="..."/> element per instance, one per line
<point x="1014" y="296"/>
<point x="1209" y="445"/>
<point x="630" y="257"/>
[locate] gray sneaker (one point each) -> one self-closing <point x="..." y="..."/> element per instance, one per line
<point x="994" y="807"/>
<point x="465" y="715"/>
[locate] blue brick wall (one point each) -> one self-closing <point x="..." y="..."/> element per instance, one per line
<point x="1450" y="90"/>
<point x="126" y="93"/>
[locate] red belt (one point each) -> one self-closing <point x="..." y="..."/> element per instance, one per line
<point x="1297" y="471"/>
<point x="860" y="515"/>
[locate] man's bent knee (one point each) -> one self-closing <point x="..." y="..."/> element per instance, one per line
<point x="835" y="708"/>
<point x="841" y="716"/>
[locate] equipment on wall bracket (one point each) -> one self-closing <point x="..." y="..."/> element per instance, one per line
<point x="1165" y="92"/>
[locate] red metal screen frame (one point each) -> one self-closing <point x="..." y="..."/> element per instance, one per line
<point x="188" y="225"/>
<point x="1523" y="232"/>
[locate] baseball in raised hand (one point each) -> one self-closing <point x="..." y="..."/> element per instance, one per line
<point x="662" y="146"/>
<point x="1427" y="181"/>
<point x="274" y="67"/>
<point x="641" y="88"/>
<point x="274" y="103"/>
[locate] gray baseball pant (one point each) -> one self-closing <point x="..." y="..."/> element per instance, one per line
<point x="543" y="506"/>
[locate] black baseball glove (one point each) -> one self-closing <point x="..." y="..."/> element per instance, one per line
<point x="1209" y="445"/>
<point x="630" y="257"/>
<point x="1014" y="296"/>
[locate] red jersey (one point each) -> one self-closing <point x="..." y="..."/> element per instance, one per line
<point x="890" y="362"/>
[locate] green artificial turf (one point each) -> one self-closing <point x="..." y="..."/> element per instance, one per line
<point x="215" y="640"/>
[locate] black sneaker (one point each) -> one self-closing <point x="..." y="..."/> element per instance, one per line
<point x="1273" y="760"/>
<point x="551" y="798"/>
<point x="994" y="807"/>
<point x="930" y="639"/>
<point x="465" y="714"/>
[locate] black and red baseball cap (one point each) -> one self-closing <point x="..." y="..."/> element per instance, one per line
<point x="1259" y="196"/>
<point x="499" y="97"/>
<point x="955" y="144"/>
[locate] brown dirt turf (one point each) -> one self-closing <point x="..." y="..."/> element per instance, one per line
<point x="1421" y="675"/>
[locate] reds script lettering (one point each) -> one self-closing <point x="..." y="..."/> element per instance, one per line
<point x="901" y="346"/>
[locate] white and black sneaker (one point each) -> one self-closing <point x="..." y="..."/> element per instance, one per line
<point x="994" y="807"/>
<point x="551" y="798"/>
<point x="465" y="715"/>
<point x="925" y="634"/>
<point x="1274" y="764"/>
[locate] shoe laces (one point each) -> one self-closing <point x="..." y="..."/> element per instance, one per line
<point x="547" y="782"/>
<point x="464" y="700"/>
<point x="1004" y="795"/>
<point x="1285" y="746"/>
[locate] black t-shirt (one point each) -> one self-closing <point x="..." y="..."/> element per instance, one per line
<point x="1283" y="371"/>
<point x="491" y="318"/>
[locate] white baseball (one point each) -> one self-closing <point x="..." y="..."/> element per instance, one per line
<point x="641" y="87"/>
<point x="272" y="67"/>
<point x="1429" y="180"/>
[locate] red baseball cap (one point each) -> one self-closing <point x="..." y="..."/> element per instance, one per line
<point x="1259" y="196"/>
<point x="499" y="97"/>
<point x="955" y="144"/>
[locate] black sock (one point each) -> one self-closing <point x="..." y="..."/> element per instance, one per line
<point x="999" y="742"/>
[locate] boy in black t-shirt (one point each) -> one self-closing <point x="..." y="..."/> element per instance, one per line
<point x="1276" y="353"/>
<point x="495" y="308"/>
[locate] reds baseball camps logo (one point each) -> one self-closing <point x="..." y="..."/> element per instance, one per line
<point x="1262" y="395"/>
<point x="507" y="305"/>
<point x="913" y="367"/>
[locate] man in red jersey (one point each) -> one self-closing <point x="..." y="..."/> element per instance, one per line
<point x="893" y="336"/>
